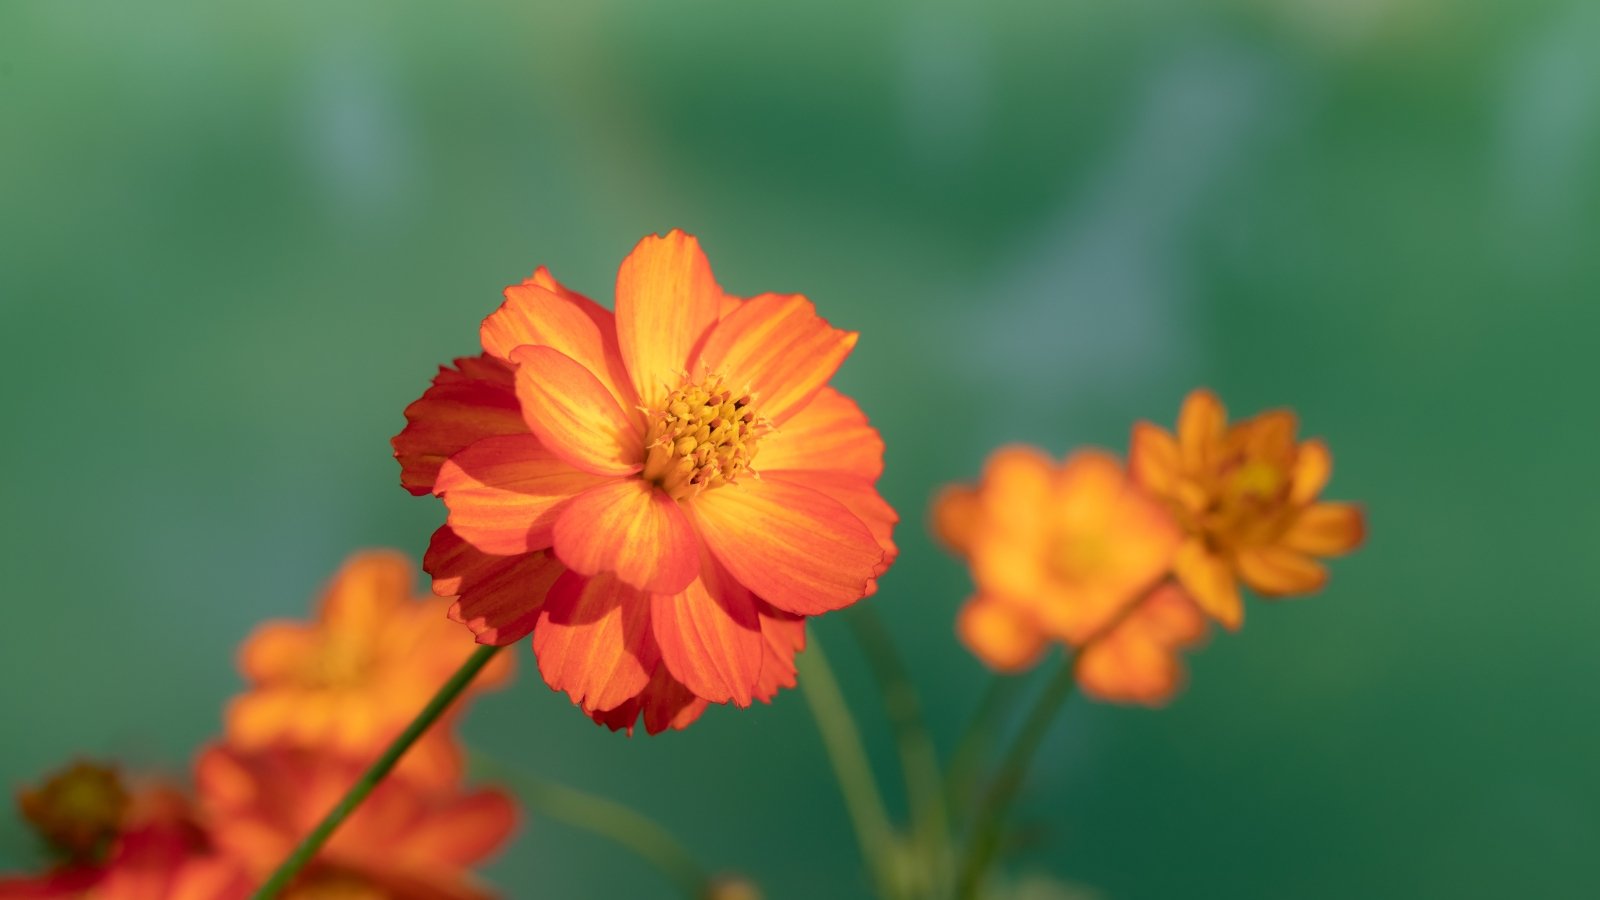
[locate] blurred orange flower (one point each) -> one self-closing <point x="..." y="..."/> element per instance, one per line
<point x="1074" y="553"/>
<point x="350" y="680"/>
<point x="600" y="473"/>
<point x="412" y="839"/>
<point x="1245" y="496"/>
<point x="121" y="843"/>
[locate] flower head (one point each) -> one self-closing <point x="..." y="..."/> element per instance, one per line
<point x="354" y="677"/>
<point x="412" y="839"/>
<point x="1245" y="496"/>
<point x="77" y="811"/>
<point x="660" y="495"/>
<point x="1073" y="553"/>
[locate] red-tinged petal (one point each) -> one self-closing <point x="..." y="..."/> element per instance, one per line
<point x="629" y="528"/>
<point x="575" y="415"/>
<point x="1153" y="458"/>
<point x="1327" y="529"/>
<point x="829" y="434"/>
<point x="499" y="596"/>
<point x="863" y="501"/>
<point x="1313" y="465"/>
<point x="1005" y="638"/>
<point x="778" y="347"/>
<point x="665" y="703"/>
<point x="1209" y="579"/>
<point x="709" y="636"/>
<point x="593" y="640"/>
<point x="537" y="314"/>
<point x="1280" y="572"/>
<point x="666" y="299"/>
<point x="462" y="833"/>
<point x="782" y="636"/>
<point x="800" y="550"/>
<point x="1202" y="424"/>
<point x="478" y="401"/>
<point x="367" y="590"/>
<point x="505" y="493"/>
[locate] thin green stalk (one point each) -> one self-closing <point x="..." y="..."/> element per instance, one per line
<point x="919" y="760"/>
<point x="842" y="741"/>
<point x="990" y="821"/>
<point x="358" y="792"/>
<point x="986" y="722"/>
<point x="609" y="819"/>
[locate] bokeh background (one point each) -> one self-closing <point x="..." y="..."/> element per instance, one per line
<point x="235" y="240"/>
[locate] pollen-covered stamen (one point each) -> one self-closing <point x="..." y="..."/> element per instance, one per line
<point x="704" y="436"/>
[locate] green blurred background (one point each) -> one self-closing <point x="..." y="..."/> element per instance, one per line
<point x="236" y="239"/>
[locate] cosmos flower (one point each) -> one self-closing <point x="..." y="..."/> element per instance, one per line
<point x="1245" y="496"/>
<point x="414" y="838"/>
<point x="658" y="496"/>
<point x="117" y="842"/>
<point x="351" y="679"/>
<point x="1071" y="553"/>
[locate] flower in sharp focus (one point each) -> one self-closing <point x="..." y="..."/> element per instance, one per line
<point x="412" y="839"/>
<point x="1073" y="553"/>
<point x="659" y="496"/>
<point x="1245" y="496"/>
<point x="350" y="680"/>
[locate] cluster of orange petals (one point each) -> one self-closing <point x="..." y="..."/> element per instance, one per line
<point x="324" y="699"/>
<point x="1125" y="566"/>
<point x="659" y="496"/>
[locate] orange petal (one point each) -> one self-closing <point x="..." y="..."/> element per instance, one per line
<point x="800" y="550"/>
<point x="1202" y="424"/>
<point x="829" y="434"/>
<point x="462" y="832"/>
<point x="666" y="299"/>
<point x="782" y="636"/>
<point x="575" y="415"/>
<point x="1153" y="458"/>
<point x="710" y="637"/>
<point x="500" y="596"/>
<point x="665" y="703"/>
<point x="505" y="493"/>
<point x="780" y="349"/>
<point x="461" y="407"/>
<point x="630" y="528"/>
<point x="1138" y="662"/>
<point x="277" y="649"/>
<point x="1327" y="529"/>
<point x="1210" y="581"/>
<point x="1280" y="572"/>
<point x="957" y="517"/>
<point x="367" y="590"/>
<point x="1313" y="465"/>
<point x="593" y="640"/>
<point x="1003" y="637"/>
<point x="863" y="501"/>
<point x="535" y="314"/>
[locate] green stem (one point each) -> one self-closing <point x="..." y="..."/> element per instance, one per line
<point x="608" y="819"/>
<point x="842" y="741"/>
<point x="990" y="821"/>
<point x="919" y="760"/>
<point x="981" y="729"/>
<point x="358" y="792"/>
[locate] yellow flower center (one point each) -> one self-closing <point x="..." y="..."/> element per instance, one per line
<point x="1080" y="557"/>
<point x="704" y="436"/>
<point x="341" y="661"/>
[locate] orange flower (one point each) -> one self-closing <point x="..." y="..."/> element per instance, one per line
<point x="352" y="679"/>
<point x="1074" y="553"/>
<point x="658" y="496"/>
<point x="139" y="844"/>
<point x="413" y="839"/>
<point x="1246" y="498"/>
